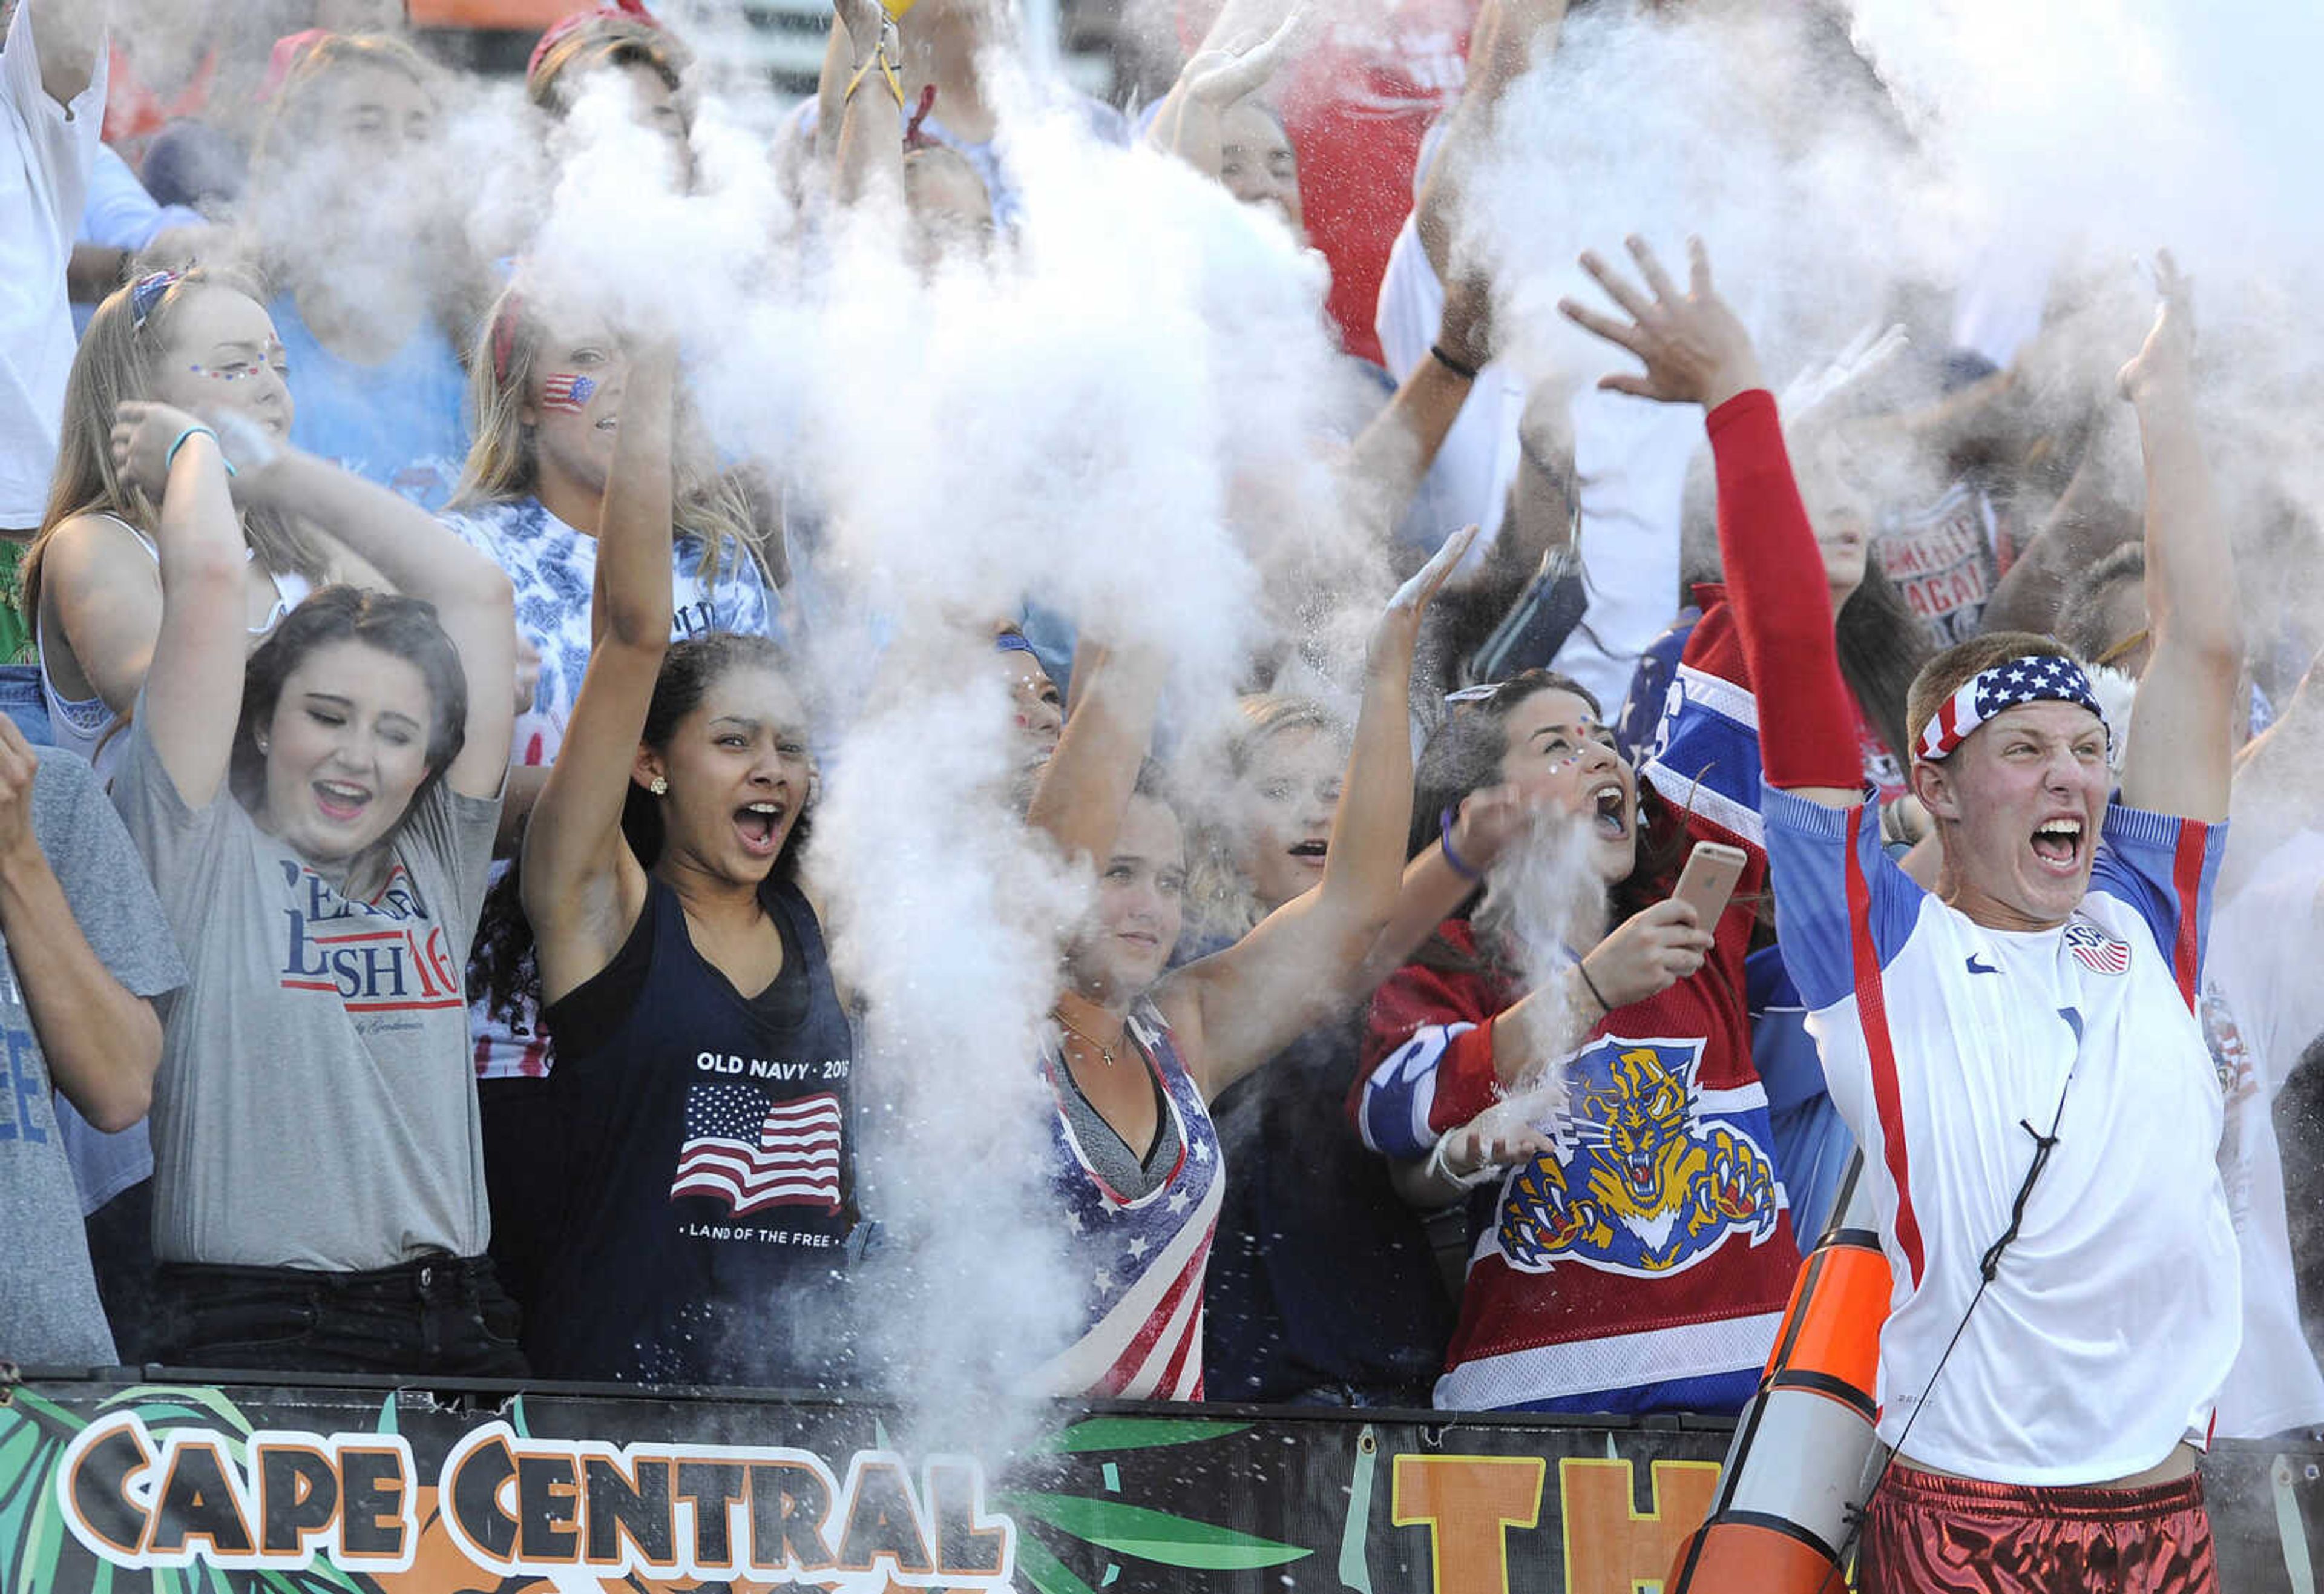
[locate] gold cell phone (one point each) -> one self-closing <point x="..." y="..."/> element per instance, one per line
<point x="1709" y="880"/>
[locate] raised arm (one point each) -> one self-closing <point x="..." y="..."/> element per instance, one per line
<point x="2182" y="729"/>
<point x="1087" y="783"/>
<point x="101" y="1040"/>
<point x="869" y="153"/>
<point x="193" y="691"/>
<point x="66" y="37"/>
<point x="1245" y="1004"/>
<point x="422" y="557"/>
<point x="1696" y="351"/>
<point x="582" y="886"/>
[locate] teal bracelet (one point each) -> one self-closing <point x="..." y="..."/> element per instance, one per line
<point x="169" y="459"/>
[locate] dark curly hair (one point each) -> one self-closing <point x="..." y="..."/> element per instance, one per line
<point x="501" y="968"/>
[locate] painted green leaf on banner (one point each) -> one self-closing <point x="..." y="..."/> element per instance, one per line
<point x="1039" y="1565"/>
<point x="161" y="1404"/>
<point x="1133" y="1433"/>
<point x="1154" y="1535"/>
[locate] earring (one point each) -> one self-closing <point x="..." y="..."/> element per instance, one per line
<point x="260" y="743"/>
<point x="657" y="786"/>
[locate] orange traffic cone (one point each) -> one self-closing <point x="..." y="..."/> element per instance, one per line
<point x="1804" y="1453"/>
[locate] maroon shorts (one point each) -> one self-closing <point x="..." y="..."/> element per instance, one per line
<point x="1926" y="1535"/>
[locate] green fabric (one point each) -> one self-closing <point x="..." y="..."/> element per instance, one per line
<point x="15" y="634"/>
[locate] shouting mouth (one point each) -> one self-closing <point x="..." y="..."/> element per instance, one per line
<point x="760" y="825"/>
<point x="1610" y="810"/>
<point x="2058" y="844"/>
<point x="1311" y="852"/>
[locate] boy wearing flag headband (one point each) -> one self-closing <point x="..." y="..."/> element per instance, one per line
<point x="2017" y="1050"/>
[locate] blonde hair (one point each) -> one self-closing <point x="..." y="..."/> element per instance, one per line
<point x="1219" y="901"/>
<point x="297" y="117"/>
<point x="118" y="360"/>
<point x="502" y="464"/>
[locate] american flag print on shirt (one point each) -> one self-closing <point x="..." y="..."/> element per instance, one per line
<point x="751" y="1153"/>
<point x="1140" y="1263"/>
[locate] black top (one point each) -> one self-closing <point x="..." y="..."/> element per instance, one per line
<point x="709" y="1191"/>
<point x="1322" y="1282"/>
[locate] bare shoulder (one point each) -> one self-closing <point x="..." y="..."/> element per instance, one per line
<point x="93" y="542"/>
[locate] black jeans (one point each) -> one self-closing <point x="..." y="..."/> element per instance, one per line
<point x="439" y="1314"/>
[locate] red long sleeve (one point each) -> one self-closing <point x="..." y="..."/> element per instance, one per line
<point x="1783" y="604"/>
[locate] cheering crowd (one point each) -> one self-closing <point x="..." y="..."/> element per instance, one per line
<point x="417" y="962"/>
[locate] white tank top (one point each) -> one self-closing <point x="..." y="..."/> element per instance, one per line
<point x="85" y="725"/>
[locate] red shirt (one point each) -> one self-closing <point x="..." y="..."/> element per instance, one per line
<point x="1358" y="107"/>
<point x="134" y="113"/>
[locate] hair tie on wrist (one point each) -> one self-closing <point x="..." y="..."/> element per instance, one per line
<point x="169" y="459"/>
<point x="1596" y="994"/>
<point x="1453" y="858"/>
<point x="1465" y="372"/>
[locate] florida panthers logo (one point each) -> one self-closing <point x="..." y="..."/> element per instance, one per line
<point x="1643" y="1181"/>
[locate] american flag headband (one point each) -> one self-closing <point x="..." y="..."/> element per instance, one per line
<point x="2036" y="678"/>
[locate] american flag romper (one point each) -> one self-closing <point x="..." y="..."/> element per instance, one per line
<point x="1139" y="1263"/>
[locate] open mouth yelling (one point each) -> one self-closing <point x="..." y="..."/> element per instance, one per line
<point x="1609" y="810"/>
<point x="2058" y="844"/>
<point x="1311" y="853"/>
<point x="339" y="801"/>
<point x="759" y="824"/>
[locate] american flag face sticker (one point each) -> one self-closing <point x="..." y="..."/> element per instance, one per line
<point x="2038" y="678"/>
<point x="2096" y="951"/>
<point x="568" y="392"/>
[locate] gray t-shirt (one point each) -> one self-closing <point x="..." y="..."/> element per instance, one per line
<point x="48" y="1310"/>
<point x="315" y="1106"/>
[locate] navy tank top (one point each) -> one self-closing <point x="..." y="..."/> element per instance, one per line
<point x="708" y="1194"/>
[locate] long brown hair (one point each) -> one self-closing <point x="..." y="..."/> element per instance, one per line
<point x="1882" y="646"/>
<point x="502" y="465"/>
<point x="119" y="360"/>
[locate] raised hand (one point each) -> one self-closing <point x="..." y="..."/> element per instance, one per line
<point x="143" y="435"/>
<point x="1399" y="630"/>
<point x="1695" y="349"/>
<point x="1487" y="821"/>
<point x="2165" y="362"/>
<point x="1219" y="78"/>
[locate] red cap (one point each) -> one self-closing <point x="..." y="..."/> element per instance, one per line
<point x="287" y="50"/>
<point x="634" y="10"/>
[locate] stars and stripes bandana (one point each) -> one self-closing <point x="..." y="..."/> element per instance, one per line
<point x="2036" y="678"/>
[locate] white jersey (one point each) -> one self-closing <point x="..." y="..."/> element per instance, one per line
<point x="2263" y="1005"/>
<point x="2113" y="1318"/>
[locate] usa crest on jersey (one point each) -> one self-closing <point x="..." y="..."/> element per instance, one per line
<point x="2096" y="951"/>
<point x="1648" y="1175"/>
